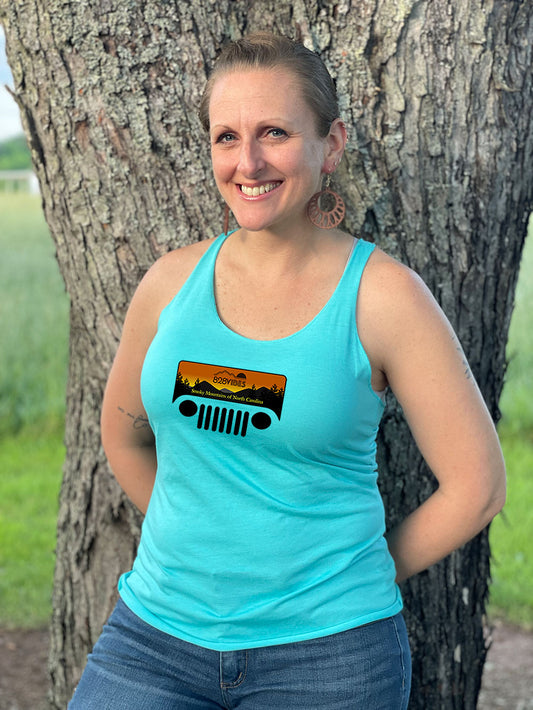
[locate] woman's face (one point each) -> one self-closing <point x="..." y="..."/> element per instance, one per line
<point x="266" y="152"/>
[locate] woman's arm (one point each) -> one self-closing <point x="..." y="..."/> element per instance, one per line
<point x="127" y="437"/>
<point x="413" y="348"/>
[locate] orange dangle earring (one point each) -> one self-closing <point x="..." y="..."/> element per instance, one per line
<point x="333" y="215"/>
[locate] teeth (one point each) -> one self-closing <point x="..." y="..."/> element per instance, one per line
<point x="256" y="191"/>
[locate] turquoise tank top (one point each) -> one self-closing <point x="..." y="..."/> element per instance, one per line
<point x="265" y="525"/>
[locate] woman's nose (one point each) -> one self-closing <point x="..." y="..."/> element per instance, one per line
<point x="251" y="160"/>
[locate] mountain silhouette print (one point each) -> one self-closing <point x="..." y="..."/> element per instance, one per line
<point x="269" y="399"/>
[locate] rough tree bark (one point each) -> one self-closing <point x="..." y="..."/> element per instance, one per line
<point x="438" y="98"/>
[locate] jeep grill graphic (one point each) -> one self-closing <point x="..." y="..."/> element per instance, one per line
<point x="224" y="420"/>
<point x="229" y="386"/>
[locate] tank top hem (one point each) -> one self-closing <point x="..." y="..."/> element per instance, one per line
<point x="144" y="614"/>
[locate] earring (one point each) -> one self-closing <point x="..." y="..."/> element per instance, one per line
<point x="226" y="219"/>
<point x="326" y="218"/>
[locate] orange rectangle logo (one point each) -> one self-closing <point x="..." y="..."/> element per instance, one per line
<point x="230" y="384"/>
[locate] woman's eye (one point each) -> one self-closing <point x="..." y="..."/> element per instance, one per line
<point x="276" y="132"/>
<point x="225" y="138"/>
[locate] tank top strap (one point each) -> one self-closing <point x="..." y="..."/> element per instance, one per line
<point x="194" y="294"/>
<point x="344" y="299"/>
<point x="211" y="254"/>
<point x="356" y="263"/>
<point x="206" y="265"/>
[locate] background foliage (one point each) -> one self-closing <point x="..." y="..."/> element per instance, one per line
<point x="14" y="154"/>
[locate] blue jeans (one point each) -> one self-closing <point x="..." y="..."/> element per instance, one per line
<point x="136" y="667"/>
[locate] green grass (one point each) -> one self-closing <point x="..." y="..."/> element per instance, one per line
<point x="33" y="318"/>
<point x="30" y="463"/>
<point x="511" y="594"/>
<point x="33" y="361"/>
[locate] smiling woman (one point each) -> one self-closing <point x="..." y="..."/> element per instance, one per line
<point x="264" y="578"/>
<point x="268" y="158"/>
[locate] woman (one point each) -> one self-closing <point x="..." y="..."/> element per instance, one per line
<point x="251" y="374"/>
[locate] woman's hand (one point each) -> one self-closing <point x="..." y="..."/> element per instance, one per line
<point x="413" y="349"/>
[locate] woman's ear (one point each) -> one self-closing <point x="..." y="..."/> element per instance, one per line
<point x="336" y="143"/>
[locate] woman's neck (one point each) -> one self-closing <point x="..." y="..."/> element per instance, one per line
<point x="279" y="253"/>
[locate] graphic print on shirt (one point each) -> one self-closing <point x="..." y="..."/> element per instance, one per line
<point x="231" y="387"/>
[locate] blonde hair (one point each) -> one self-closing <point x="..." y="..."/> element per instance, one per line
<point x="263" y="50"/>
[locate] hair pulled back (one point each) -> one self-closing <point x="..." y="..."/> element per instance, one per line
<point x="263" y="50"/>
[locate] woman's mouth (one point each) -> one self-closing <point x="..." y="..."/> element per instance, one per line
<point x="259" y="189"/>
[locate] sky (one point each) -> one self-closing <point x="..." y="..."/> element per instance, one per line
<point x="10" y="124"/>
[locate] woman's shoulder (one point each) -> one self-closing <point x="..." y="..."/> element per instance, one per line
<point x="385" y="279"/>
<point x="179" y="263"/>
<point x="397" y="312"/>
<point x="392" y="296"/>
<point x="163" y="281"/>
<point x="167" y="275"/>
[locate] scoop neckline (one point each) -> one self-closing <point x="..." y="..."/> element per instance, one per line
<point x="296" y="333"/>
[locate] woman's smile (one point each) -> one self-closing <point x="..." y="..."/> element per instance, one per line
<point x="258" y="190"/>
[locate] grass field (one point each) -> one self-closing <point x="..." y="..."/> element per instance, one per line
<point x="30" y="463"/>
<point x="33" y="317"/>
<point x="33" y="359"/>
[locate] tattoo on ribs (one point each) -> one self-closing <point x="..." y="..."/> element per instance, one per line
<point x="139" y="421"/>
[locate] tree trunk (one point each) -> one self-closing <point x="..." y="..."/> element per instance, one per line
<point x="438" y="99"/>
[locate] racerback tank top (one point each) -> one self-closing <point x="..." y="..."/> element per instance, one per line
<point x="265" y="525"/>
